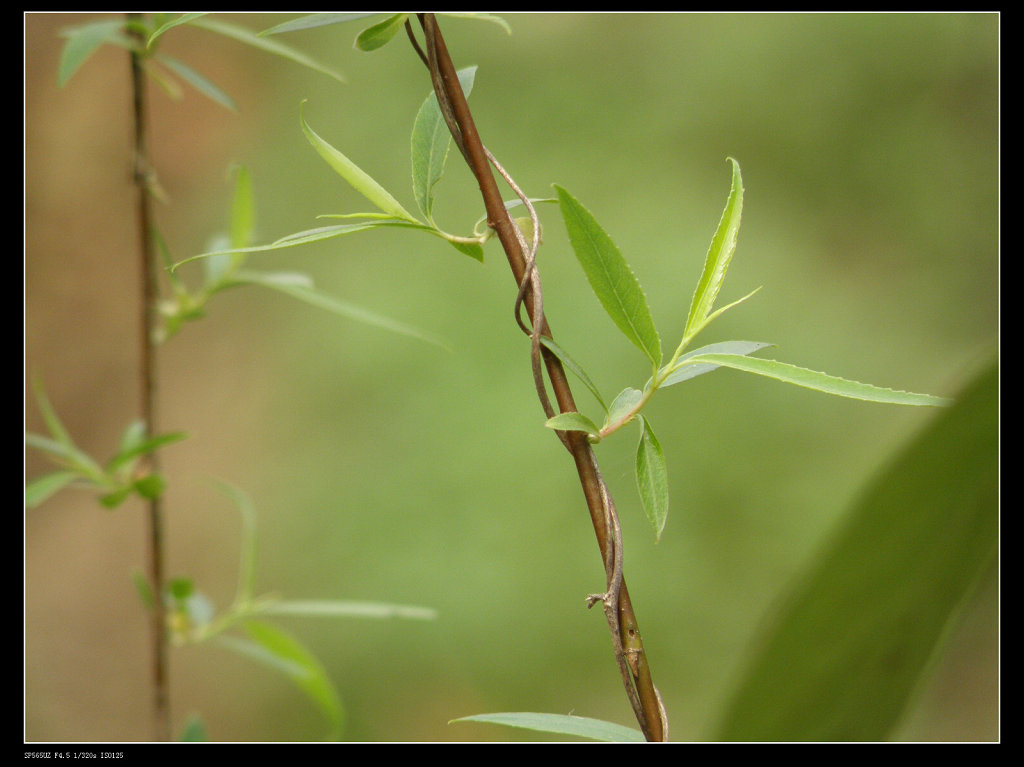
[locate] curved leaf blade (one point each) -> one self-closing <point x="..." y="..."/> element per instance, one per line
<point x="248" y="37"/>
<point x="595" y="729"/>
<point x="300" y="287"/>
<point x="356" y="177"/>
<point x="336" y="608"/>
<point x="312" y="20"/>
<point x="850" y="645"/>
<point x="682" y="371"/>
<point x="378" y="35"/>
<point x="723" y="244"/>
<point x="613" y="281"/>
<point x="83" y="41"/>
<point x="823" y="382"/>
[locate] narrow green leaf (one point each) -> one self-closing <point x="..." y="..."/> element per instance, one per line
<point x="184" y="18"/>
<point x="248" y="37"/>
<point x="380" y="34"/>
<point x="83" y="41"/>
<point x="289" y="655"/>
<point x="312" y="20"/>
<point x="853" y="642"/>
<point x="810" y="379"/>
<point x="287" y="284"/>
<point x="431" y="141"/>
<point x="595" y="729"/>
<point x="355" y="176"/>
<point x="329" y="608"/>
<point x="70" y="455"/>
<point x="684" y="370"/>
<point x="150" y="487"/>
<point x="719" y="255"/>
<point x="129" y="453"/>
<point x="572" y="366"/>
<point x="610" y="276"/>
<point x="573" y="422"/>
<point x="197" y="81"/>
<point x="652" y="478"/>
<point x="41" y="488"/>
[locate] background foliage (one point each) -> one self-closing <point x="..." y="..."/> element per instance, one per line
<point x="384" y="468"/>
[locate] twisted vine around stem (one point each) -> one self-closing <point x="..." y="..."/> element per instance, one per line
<point x="627" y="642"/>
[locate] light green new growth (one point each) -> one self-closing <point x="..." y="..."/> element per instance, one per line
<point x="623" y="299"/>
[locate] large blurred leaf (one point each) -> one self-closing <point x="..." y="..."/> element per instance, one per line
<point x="852" y="642"/>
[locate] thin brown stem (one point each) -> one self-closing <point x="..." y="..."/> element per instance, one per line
<point x="627" y="642"/>
<point x="142" y="177"/>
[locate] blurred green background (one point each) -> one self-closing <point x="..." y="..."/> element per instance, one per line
<point x="386" y="469"/>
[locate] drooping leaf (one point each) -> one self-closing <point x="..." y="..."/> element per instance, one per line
<point x="129" y="453"/>
<point x="281" y="650"/>
<point x="850" y="646"/>
<point x="585" y="727"/>
<point x="359" y="180"/>
<point x="610" y="276"/>
<point x="684" y="371"/>
<point x="811" y="379"/>
<point x="573" y="422"/>
<point x="41" y="488"/>
<point x="652" y="478"/>
<point x="431" y="141"/>
<point x="197" y="81"/>
<point x="380" y="34"/>
<point x="83" y="41"/>
<point x="275" y="47"/>
<point x="300" y="287"/>
<point x="719" y="255"/>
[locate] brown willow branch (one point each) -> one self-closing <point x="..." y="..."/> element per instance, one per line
<point x="142" y="177"/>
<point x="627" y="641"/>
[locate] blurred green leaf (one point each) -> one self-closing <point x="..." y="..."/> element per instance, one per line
<point x="652" y="478"/>
<point x="811" y="379"/>
<point x="380" y="34"/>
<point x="280" y="650"/>
<point x="132" y="452"/>
<point x="248" y="37"/>
<point x="595" y="729"/>
<point x="194" y="731"/>
<point x="302" y="290"/>
<point x="716" y="264"/>
<point x="197" y="81"/>
<point x="83" y="41"/>
<point x="431" y="141"/>
<point x="41" y="488"/>
<point x="157" y="33"/>
<point x="850" y="645"/>
<point x="610" y="276"/>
